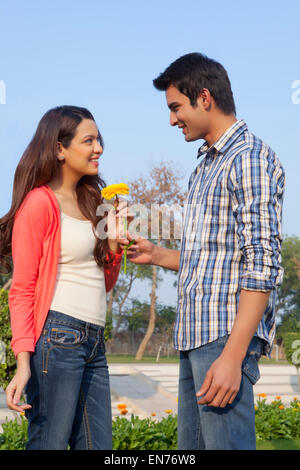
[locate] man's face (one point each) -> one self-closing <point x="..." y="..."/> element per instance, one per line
<point x="192" y="120"/>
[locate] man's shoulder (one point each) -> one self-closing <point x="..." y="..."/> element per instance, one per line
<point x="252" y="154"/>
<point x="250" y="146"/>
<point x="256" y="143"/>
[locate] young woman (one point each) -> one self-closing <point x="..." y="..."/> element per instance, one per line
<point x="61" y="272"/>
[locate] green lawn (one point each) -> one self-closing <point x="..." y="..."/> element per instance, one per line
<point x="114" y="358"/>
<point x="279" y="444"/>
<point x="120" y="358"/>
<point x="281" y="362"/>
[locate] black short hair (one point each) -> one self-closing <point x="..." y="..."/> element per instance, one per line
<point x="193" y="72"/>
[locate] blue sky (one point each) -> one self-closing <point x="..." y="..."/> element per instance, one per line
<point x="104" y="56"/>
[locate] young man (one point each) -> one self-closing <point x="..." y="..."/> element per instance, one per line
<point x="229" y="261"/>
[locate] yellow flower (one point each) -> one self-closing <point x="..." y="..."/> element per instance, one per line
<point x="168" y="411"/>
<point x="298" y="404"/>
<point x="281" y="407"/>
<point x="122" y="406"/>
<point x="114" y="189"/>
<point x="278" y="398"/>
<point x="262" y="395"/>
<point x="22" y="413"/>
<point x="295" y="409"/>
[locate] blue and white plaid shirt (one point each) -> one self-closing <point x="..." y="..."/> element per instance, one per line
<point x="231" y="238"/>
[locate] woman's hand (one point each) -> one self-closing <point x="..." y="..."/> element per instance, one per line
<point x="16" y="386"/>
<point x="118" y="220"/>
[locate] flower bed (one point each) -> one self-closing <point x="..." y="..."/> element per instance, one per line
<point x="276" y="420"/>
<point x="272" y="421"/>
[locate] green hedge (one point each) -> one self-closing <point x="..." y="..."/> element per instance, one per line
<point x="136" y="433"/>
<point x="8" y="368"/>
<point x="272" y="421"/>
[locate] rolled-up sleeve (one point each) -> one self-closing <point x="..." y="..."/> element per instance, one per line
<point x="257" y="183"/>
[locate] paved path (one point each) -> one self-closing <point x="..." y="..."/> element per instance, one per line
<point x="137" y="386"/>
<point x="152" y="388"/>
<point x="4" y="411"/>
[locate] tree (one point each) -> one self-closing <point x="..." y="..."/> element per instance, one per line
<point x="8" y="362"/>
<point x="156" y="191"/>
<point x="289" y="291"/>
<point x="288" y="294"/>
<point x="136" y="318"/>
<point x="290" y="323"/>
<point x="118" y="297"/>
<point x="166" y="316"/>
<point x="5" y="281"/>
<point x="292" y="351"/>
<point x="6" y="278"/>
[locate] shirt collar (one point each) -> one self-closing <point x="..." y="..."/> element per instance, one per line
<point x="225" y="141"/>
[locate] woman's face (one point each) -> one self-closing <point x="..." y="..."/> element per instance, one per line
<point x="82" y="155"/>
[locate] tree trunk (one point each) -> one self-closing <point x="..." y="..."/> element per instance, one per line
<point x="7" y="284"/>
<point x="109" y="337"/>
<point x="121" y="304"/>
<point x="110" y="301"/>
<point x="151" y="324"/>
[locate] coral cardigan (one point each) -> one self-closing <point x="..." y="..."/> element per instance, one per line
<point x="36" y="238"/>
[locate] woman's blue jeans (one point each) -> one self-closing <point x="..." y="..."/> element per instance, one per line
<point x="69" y="387"/>
<point x="211" y="428"/>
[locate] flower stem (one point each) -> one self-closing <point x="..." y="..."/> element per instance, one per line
<point x="125" y="249"/>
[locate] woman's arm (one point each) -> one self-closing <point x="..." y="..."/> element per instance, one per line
<point x="29" y="231"/>
<point x="28" y="234"/>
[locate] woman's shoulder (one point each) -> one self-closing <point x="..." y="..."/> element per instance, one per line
<point x="36" y="202"/>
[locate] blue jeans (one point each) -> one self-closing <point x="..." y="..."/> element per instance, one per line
<point x="206" y="427"/>
<point x="69" y="387"/>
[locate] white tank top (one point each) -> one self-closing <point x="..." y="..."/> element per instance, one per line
<point x="80" y="283"/>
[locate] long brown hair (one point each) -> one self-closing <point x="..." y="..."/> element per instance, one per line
<point x="39" y="164"/>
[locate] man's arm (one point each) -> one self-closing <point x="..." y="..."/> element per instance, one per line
<point x="252" y="306"/>
<point x="166" y="258"/>
<point x="223" y="379"/>
<point x="145" y="252"/>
